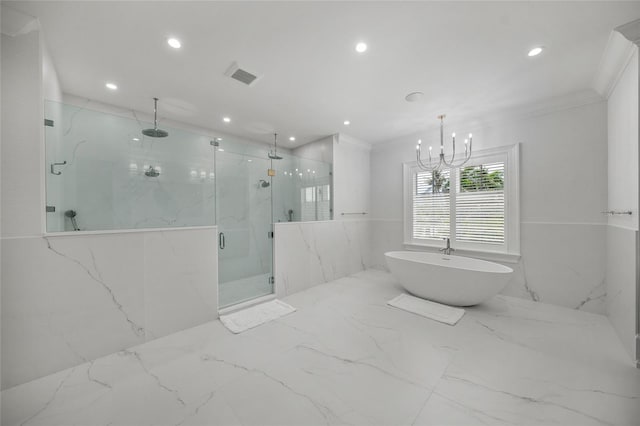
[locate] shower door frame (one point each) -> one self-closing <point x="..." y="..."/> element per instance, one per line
<point x="243" y="303"/>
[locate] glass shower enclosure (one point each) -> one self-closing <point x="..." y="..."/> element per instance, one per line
<point x="244" y="212"/>
<point x="104" y="174"/>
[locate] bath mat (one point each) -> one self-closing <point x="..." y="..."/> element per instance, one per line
<point x="427" y="309"/>
<point x="254" y="316"/>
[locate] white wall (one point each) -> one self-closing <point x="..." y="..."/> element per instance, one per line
<point x="22" y="119"/>
<point x="320" y="150"/>
<point x="622" y="232"/>
<point x="351" y="178"/>
<point x="563" y="187"/>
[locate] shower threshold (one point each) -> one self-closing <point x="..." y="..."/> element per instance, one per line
<point x="239" y="294"/>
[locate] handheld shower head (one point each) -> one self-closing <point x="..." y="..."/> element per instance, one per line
<point x="71" y="214"/>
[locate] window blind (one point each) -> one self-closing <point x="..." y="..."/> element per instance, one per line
<point x="431" y="205"/>
<point x="480" y="204"/>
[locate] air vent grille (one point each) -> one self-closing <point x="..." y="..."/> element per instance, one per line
<point x="244" y="76"/>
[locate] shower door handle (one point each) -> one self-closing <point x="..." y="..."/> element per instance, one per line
<point x="221" y="241"/>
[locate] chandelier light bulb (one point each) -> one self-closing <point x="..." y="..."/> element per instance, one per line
<point x="444" y="162"/>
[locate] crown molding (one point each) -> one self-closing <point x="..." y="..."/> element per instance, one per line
<point x="614" y="61"/>
<point x="14" y="23"/>
<point x="631" y="31"/>
<point x="342" y="137"/>
<point x="521" y="112"/>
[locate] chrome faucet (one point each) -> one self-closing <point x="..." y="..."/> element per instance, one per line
<point x="447" y="250"/>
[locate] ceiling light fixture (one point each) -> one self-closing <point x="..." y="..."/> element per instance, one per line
<point x="174" y="42"/>
<point x="226" y="119"/>
<point x="535" y="51"/>
<point x="443" y="162"/>
<point x="347" y="122"/>
<point x="111" y="86"/>
<point x="361" y="47"/>
<point x="292" y="138"/>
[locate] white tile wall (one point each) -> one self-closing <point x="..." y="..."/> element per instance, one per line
<point x="561" y="264"/>
<point x="70" y="299"/>
<point x="621" y="288"/>
<point x="312" y="253"/>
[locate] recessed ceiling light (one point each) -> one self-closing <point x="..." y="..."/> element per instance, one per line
<point x="347" y="122"/>
<point x="226" y="119"/>
<point x="174" y="42"/>
<point x="136" y="139"/>
<point x="292" y="138"/>
<point x="535" y="51"/>
<point x="414" y="96"/>
<point x="361" y="47"/>
<point x="111" y="86"/>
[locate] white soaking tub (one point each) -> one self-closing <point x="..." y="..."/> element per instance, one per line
<point x="452" y="280"/>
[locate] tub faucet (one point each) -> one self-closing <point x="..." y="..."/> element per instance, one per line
<point x="447" y="250"/>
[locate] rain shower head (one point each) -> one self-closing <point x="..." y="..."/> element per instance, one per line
<point x="274" y="155"/>
<point x="263" y="183"/>
<point x="152" y="171"/>
<point x="155" y="132"/>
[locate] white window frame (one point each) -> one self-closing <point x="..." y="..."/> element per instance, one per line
<point x="510" y="250"/>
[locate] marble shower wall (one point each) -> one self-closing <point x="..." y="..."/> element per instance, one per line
<point x="104" y="177"/>
<point x="71" y="299"/>
<point x="312" y="253"/>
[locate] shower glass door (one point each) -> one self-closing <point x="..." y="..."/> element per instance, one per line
<point x="244" y="219"/>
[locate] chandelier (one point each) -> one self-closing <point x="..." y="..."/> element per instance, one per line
<point x="442" y="162"/>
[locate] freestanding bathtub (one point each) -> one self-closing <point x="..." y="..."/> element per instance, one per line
<point x="452" y="280"/>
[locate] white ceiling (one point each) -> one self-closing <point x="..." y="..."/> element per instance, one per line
<point x="469" y="58"/>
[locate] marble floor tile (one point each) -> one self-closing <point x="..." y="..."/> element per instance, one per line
<point x="345" y="357"/>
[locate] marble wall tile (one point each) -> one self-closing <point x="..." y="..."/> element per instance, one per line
<point x="561" y="264"/>
<point x="312" y="253"/>
<point x="621" y="284"/>
<point x="180" y="280"/>
<point x="69" y="299"/>
<point x="386" y="235"/>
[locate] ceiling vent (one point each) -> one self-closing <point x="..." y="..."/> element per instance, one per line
<point x="241" y="75"/>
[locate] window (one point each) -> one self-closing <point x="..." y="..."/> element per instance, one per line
<point x="315" y="203"/>
<point x="476" y="206"/>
